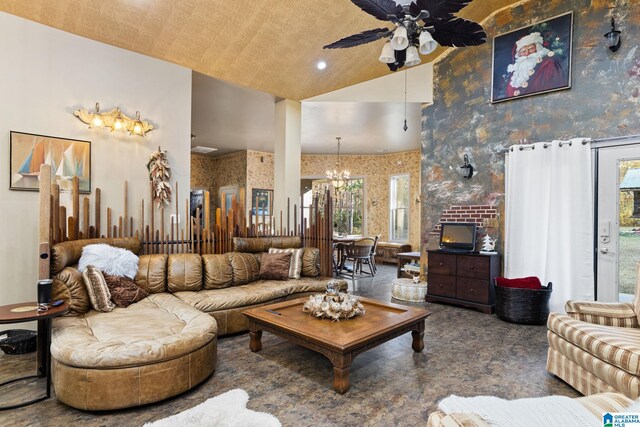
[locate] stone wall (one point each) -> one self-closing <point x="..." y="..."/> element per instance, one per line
<point x="602" y="102"/>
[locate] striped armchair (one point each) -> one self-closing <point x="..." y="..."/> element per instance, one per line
<point x="595" y="347"/>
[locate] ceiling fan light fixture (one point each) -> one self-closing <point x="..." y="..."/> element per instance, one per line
<point x="387" y="56"/>
<point x="412" y="56"/>
<point x="400" y="41"/>
<point x="427" y="43"/>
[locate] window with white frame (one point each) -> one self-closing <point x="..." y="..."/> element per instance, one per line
<point x="399" y="208"/>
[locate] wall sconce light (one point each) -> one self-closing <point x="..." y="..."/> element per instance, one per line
<point x="115" y="120"/>
<point x="467" y="168"/>
<point x="613" y="37"/>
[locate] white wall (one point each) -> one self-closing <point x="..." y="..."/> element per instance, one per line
<point x="45" y="75"/>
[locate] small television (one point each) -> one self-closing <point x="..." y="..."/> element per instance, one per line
<point x="457" y="237"/>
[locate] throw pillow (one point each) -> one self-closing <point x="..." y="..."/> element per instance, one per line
<point x="275" y="266"/>
<point x="522" y="283"/>
<point x="296" y="260"/>
<point x="112" y="260"/>
<point x="124" y="291"/>
<point x="97" y="289"/>
<point x="311" y="262"/>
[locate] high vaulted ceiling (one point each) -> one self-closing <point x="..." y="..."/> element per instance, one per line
<point x="271" y="46"/>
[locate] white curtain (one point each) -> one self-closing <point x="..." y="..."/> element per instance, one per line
<point x="549" y="217"/>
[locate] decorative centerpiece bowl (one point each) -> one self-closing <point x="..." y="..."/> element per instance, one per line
<point x="334" y="307"/>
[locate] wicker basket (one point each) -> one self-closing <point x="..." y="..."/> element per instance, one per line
<point x="523" y="306"/>
<point x="18" y="341"/>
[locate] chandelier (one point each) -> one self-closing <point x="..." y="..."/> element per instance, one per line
<point x="337" y="177"/>
<point x="420" y="25"/>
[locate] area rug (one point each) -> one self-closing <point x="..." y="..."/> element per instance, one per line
<point x="226" y="410"/>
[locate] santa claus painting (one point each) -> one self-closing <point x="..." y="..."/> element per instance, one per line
<point x="532" y="60"/>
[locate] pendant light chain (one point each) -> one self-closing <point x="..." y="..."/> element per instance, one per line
<point x="405" y="127"/>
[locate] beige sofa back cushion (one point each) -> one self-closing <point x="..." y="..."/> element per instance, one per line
<point x="152" y="273"/>
<point x="217" y="271"/>
<point x="184" y="272"/>
<point x="245" y="267"/>
<point x="262" y="244"/>
<point x="310" y="262"/>
<point x="69" y="286"/>
<point x="68" y="253"/>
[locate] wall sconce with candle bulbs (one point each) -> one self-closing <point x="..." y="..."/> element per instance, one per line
<point x="115" y="120"/>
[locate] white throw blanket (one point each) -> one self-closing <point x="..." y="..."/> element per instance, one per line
<point x="532" y="412"/>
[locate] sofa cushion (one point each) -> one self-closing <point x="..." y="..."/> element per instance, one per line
<point x="262" y="244"/>
<point x="97" y="288"/>
<point x="617" y="346"/>
<point x="68" y="285"/>
<point x="158" y="328"/>
<point x="184" y="272"/>
<point x="275" y="266"/>
<point x="217" y="271"/>
<point x="245" y="267"/>
<point x="310" y="262"/>
<point x="296" y="260"/>
<point x="152" y="273"/>
<point x="253" y="293"/>
<point x="123" y="290"/>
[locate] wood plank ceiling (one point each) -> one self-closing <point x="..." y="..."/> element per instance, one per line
<point x="271" y="46"/>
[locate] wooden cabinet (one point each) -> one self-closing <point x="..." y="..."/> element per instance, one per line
<point x="463" y="279"/>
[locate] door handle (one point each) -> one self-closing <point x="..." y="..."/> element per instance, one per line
<point x="605" y="250"/>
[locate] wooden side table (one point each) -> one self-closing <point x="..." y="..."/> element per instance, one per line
<point x="28" y="312"/>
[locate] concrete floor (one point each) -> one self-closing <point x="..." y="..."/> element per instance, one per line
<point x="466" y="353"/>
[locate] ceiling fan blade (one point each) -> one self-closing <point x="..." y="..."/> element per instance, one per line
<point x="360" y="38"/>
<point x="380" y="9"/>
<point x="458" y="32"/>
<point x="438" y="9"/>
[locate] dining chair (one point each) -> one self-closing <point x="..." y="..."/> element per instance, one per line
<point x="372" y="258"/>
<point x="358" y="252"/>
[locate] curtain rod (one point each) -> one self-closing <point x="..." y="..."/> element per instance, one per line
<point x="523" y="147"/>
<point x="596" y="140"/>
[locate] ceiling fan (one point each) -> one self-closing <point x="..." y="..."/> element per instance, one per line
<point x="420" y="26"/>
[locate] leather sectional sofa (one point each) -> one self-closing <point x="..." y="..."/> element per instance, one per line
<point x="166" y="343"/>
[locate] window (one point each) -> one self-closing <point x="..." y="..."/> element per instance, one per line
<point x="348" y="206"/>
<point x="348" y="209"/>
<point x="399" y="208"/>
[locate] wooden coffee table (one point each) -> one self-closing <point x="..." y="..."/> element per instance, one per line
<point x="339" y="341"/>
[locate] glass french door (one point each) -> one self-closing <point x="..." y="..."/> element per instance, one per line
<point x="617" y="221"/>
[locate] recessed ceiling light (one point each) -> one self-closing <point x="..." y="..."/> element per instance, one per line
<point x="198" y="149"/>
<point x="321" y="65"/>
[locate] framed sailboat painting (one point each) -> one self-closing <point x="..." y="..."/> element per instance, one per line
<point x="67" y="157"/>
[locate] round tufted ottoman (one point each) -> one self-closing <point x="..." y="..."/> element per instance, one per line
<point x="406" y="290"/>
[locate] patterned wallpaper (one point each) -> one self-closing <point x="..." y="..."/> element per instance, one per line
<point x="259" y="172"/>
<point x="376" y="171"/>
<point x="602" y="102"/>
<point x="212" y="173"/>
